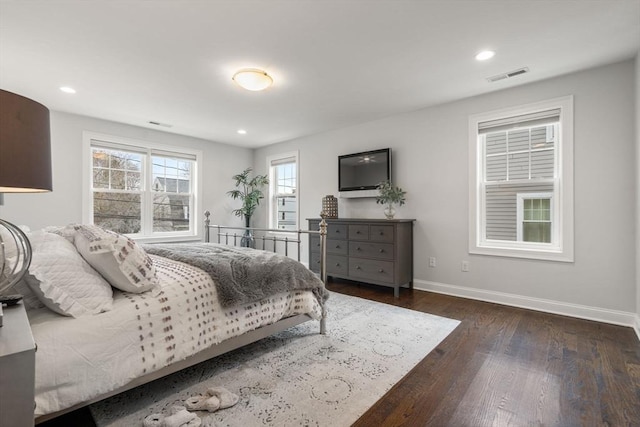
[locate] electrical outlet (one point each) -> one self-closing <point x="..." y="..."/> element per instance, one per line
<point x="464" y="266"/>
<point x="432" y="261"/>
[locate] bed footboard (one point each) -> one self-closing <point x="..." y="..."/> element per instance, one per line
<point x="276" y="240"/>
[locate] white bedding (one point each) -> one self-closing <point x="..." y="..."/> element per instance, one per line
<point x="80" y="359"/>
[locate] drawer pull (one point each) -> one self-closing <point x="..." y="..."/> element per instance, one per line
<point x="358" y="267"/>
<point x="358" y="232"/>
<point x="381" y="250"/>
<point x="381" y="233"/>
<point x="337" y="246"/>
<point x="358" y="248"/>
<point x="381" y="271"/>
<point x="337" y="264"/>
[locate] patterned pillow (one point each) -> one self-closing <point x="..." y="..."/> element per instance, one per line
<point x="118" y="258"/>
<point x="62" y="280"/>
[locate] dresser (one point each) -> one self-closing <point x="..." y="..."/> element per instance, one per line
<point x="373" y="251"/>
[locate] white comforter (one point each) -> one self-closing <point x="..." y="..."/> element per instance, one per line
<point x="80" y="359"/>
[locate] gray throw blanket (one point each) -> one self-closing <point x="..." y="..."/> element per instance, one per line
<point x="243" y="275"/>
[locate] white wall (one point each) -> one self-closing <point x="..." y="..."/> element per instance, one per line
<point x="430" y="161"/>
<point x="64" y="204"/>
<point x="637" y="122"/>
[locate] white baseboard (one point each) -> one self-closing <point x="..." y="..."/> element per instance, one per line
<point x="549" y="306"/>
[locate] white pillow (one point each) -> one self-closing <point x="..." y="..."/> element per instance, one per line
<point x="29" y="298"/>
<point x="118" y="258"/>
<point x="62" y="280"/>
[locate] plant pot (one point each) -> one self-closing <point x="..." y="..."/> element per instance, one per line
<point x="247" y="240"/>
<point x="389" y="211"/>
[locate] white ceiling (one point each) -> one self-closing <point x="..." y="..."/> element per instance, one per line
<point x="335" y="62"/>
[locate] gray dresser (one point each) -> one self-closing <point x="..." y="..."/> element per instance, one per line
<point x="367" y="250"/>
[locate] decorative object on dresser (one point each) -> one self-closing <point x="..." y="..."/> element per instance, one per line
<point x="390" y="195"/>
<point x="25" y="167"/>
<point x="249" y="191"/>
<point x="375" y="251"/>
<point x="330" y="206"/>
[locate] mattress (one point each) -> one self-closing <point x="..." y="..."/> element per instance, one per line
<point x="79" y="359"/>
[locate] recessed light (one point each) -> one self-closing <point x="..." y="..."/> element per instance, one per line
<point x="484" y="55"/>
<point x="67" y="89"/>
<point x="242" y="131"/>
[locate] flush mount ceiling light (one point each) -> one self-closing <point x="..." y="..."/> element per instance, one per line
<point x="67" y="89"/>
<point x="252" y="79"/>
<point x="242" y="131"/>
<point x="484" y="55"/>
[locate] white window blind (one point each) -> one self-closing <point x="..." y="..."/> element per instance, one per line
<point x="523" y="120"/>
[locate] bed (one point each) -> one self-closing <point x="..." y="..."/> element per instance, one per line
<point x="128" y="336"/>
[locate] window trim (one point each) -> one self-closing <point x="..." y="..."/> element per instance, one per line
<point x="564" y="251"/>
<point x="130" y="144"/>
<point x="270" y="207"/>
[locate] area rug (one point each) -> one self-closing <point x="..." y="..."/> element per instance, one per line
<point x="298" y="377"/>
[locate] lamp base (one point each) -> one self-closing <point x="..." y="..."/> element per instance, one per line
<point x="15" y="255"/>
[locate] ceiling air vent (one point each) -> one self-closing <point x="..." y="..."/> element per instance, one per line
<point x="508" y="75"/>
<point x="165" y="125"/>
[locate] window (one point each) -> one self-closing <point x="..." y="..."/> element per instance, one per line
<point x="283" y="186"/>
<point x="534" y="217"/>
<point x="140" y="189"/>
<point x="521" y="188"/>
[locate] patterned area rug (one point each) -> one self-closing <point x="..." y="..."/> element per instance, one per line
<point x="298" y="377"/>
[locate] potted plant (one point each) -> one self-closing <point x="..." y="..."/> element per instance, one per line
<point x="249" y="191"/>
<point x="390" y="195"/>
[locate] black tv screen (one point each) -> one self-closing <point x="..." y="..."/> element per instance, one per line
<point x="364" y="171"/>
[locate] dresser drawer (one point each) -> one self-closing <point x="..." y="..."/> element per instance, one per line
<point x="336" y="264"/>
<point x="358" y="232"/>
<point x="337" y="231"/>
<point x="380" y="271"/>
<point x="381" y="233"/>
<point x="371" y="250"/>
<point x="334" y="246"/>
<point x="334" y="231"/>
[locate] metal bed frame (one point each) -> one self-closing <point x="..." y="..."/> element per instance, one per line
<point x="274" y="238"/>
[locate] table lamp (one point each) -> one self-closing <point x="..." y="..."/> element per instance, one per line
<point x="25" y="167"/>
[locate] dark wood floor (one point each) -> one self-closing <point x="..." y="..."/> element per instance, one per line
<point x="503" y="366"/>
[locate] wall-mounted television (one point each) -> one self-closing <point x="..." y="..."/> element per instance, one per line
<point x="364" y="171"/>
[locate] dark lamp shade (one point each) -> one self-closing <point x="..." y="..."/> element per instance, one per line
<point x="25" y="145"/>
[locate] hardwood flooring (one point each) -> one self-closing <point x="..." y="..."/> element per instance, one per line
<point x="502" y="366"/>
<point x="505" y="366"/>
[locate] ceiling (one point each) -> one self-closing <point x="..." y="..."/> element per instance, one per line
<point x="335" y="63"/>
